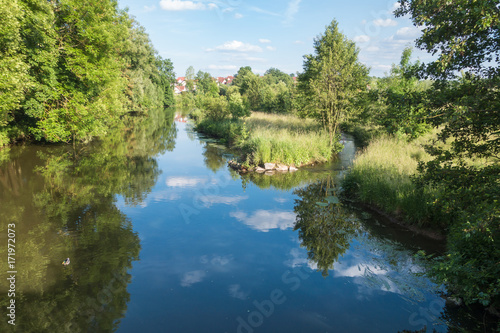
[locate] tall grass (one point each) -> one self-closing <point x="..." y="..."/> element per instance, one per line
<point x="381" y="175"/>
<point x="285" y="139"/>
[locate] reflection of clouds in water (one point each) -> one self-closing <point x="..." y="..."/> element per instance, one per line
<point x="299" y="258"/>
<point x="280" y="200"/>
<point x="185" y="181"/>
<point x="374" y="270"/>
<point x="361" y="269"/>
<point x="265" y="220"/>
<point x="236" y="292"/>
<point x="161" y="196"/>
<point x="209" y="200"/>
<point x="191" y="278"/>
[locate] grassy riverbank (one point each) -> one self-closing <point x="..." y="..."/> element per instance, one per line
<point x="381" y="176"/>
<point x="271" y="138"/>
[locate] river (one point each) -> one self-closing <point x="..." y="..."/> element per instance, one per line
<point x="163" y="237"/>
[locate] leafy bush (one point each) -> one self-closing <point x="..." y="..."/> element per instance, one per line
<point x="229" y="130"/>
<point x="215" y="108"/>
<point x="237" y="107"/>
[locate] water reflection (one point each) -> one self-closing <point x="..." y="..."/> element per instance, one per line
<point x="324" y="227"/>
<point x="265" y="220"/>
<point x="63" y="204"/>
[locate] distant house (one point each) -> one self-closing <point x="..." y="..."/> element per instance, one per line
<point x="181" y="81"/>
<point x="220" y="80"/>
<point x="179" y="89"/>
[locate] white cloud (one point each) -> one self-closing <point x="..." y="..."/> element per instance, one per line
<point x="238" y="16"/>
<point x="237" y="46"/>
<point x="362" y="39"/>
<point x="407" y="33"/>
<point x="184" y="181"/>
<point x="291" y="10"/>
<point x="382" y="67"/>
<point x="280" y="200"/>
<point x="223" y="67"/>
<point x="299" y="258"/>
<point x="298" y="42"/>
<point x="265" y="220"/>
<point x="264" y="41"/>
<point x="177" y="5"/>
<point x="385" y="23"/>
<point x="271" y="48"/>
<point x="149" y="8"/>
<point x="262" y="11"/>
<point x="191" y="278"/>
<point x="372" y="49"/>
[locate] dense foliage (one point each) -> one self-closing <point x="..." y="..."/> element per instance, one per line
<point x="332" y="78"/>
<point x="70" y="69"/>
<point x="465" y="35"/>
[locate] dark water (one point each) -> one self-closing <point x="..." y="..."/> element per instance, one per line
<point x="163" y="237"/>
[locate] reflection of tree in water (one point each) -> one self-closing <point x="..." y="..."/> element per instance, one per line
<point x="325" y="228"/>
<point x="284" y="181"/>
<point x="214" y="157"/>
<point x="67" y="209"/>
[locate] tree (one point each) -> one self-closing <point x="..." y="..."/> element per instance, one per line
<point x="404" y="98"/>
<point x="466" y="37"/>
<point x="331" y="78"/>
<point x="13" y="68"/>
<point x="464" y="34"/>
<point x="167" y="80"/>
<point x="190" y="78"/>
<point x="241" y="78"/>
<point x="274" y="76"/>
<point x="206" y="84"/>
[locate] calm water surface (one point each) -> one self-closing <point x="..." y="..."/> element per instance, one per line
<point x="163" y="237"/>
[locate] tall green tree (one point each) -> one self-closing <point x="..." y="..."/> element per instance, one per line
<point x="241" y="78"/>
<point x="166" y="80"/>
<point x="190" y="77"/>
<point x="206" y="84"/>
<point x="465" y="36"/>
<point x="13" y="67"/>
<point x="332" y="78"/>
<point x="403" y="98"/>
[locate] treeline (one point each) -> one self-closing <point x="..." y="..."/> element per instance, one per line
<point x="273" y="92"/>
<point x="69" y="70"/>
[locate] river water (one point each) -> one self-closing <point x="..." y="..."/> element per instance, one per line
<point x="163" y="237"/>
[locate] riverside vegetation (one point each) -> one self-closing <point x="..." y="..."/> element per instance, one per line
<point x="430" y="136"/>
<point x="70" y="70"/>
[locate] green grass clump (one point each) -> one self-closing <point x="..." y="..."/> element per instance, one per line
<point x="271" y="138"/>
<point x="285" y="139"/>
<point x="381" y="175"/>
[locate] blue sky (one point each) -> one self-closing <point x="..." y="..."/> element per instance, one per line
<point x="220" y="36"/>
